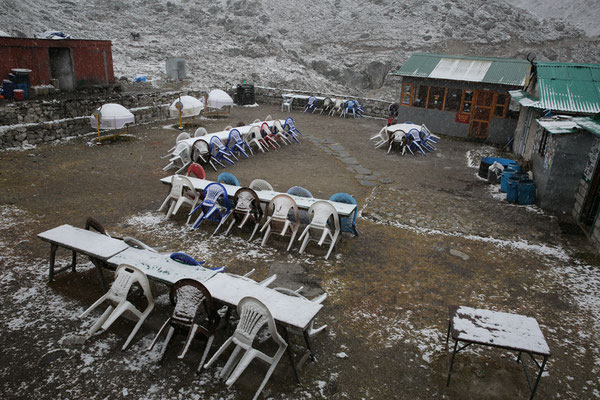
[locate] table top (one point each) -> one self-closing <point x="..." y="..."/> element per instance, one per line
<point x="265" y="196"/>
<point x="498" y="329"/>
<point x="301" y="96"/>
<point x="289" y="310"/>
<point x="403" y="127"/>
<point x="90" y="243"/>
<point x="160" y="267"/>
<point x="224" y="135"/>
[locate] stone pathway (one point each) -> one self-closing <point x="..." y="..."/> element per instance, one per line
<point x="365" y="176"/>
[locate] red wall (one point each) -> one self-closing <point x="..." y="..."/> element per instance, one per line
<point x="92" y="59"/>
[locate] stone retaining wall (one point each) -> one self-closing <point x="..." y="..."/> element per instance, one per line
<point x="372" y="107"/>
<point x="37" y="121"/>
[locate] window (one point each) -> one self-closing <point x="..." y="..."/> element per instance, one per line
<point x="543" y="140"/>
<point x="485" y="98"/>
<point x="436" y="98"/>
<point x="453" y="100"/>
<point x="467" y="101"/>
<point x="501" y="105"/>
<point x="420" y="97"/>
<point x="406" y="96"/>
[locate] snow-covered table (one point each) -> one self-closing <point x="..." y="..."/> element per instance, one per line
<point x="265" y="196"/>
<point x="160" y="267"/>
<point x="224" y="135"/>
<point x="498" y="329"/>
<point x="288" y="311"/>
<point x="97" y="246"/>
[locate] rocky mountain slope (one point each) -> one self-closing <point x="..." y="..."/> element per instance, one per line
<point x="335" y="45"/>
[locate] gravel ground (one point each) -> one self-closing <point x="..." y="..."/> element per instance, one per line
<point x="431" y="234"/>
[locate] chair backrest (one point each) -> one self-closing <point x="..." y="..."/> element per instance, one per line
<point x="178" y="182"/>
<point x="264" y="129"/>
<point x="398" y="136"/>
<point x="196" y="170"/>
<point x="280" y="206"/>
<point x="299" y="191"/>
<point x="347" y="222"/>
<point x="260" y="184"/>
<point x="277" y="126"/>
<point x="327" y="102"/>
<point x="182" y="136"/>
<point x="234" y="136"/>
<point x="213" y="191"/>
<point x="253" y="316"/>
<point x="349" y="104"/>
<point x="201" y="152"/>
<point x="414" y="134"/>
<point x="287" y="100"/>
<point x="268" y="117"/>
<point x="93" y="223"/>
<point x="184" y="259"/>
<point x="125" y="276"/>
<point x="228" y="128"/>
<point x="320" y="212"/>
<point x="256" y="121"/>
<point x="216" y="143"/>
<point x="246" y="199"/>
<point x="228" y="178"/>
<point x="312" y="100"/>
<point x="200" y="132"/>
<point x="289" y="123"/>
<point x="253" y="133"/>
<point x="181" y="149"/>
<point x="338" y="103"/>
<point x="188" y="295"/>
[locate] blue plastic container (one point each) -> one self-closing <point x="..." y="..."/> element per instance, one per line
<point x="512" y="192"/>
<point x="506" y="175"/>
<point x="516" y="166"/>
<point x="526" y="192"/>
<point x="7" y="89"/>
<point x="487" y="161"/>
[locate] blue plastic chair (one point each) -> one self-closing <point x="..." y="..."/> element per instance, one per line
<point x="219" y="151"/>
<point x="290" y="127"/>
<point x="189" y="260"/>
<point x="228" y="179"/>
<point x="215" y="198"/>
<point x="349" y="108"/>
<point x="299" y="191"/>
<point x="348" y="223"/>
<point x="311" y="105"/>
<point x="358" y="109"/>
<point x="414" y="144"/>
<point x="236" y="144"/>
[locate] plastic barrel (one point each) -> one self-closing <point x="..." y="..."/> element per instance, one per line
<point x="512" y="192"/>
<point x="516" y="166"/>
<point x="7" y="88"/>
<point x="487" y="161"/>
<point x="526" y="192"/>
<point x="508" y="173"/>
<point x="19" y="94"/>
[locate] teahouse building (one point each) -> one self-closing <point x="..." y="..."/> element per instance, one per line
<point x="461" y="96"/>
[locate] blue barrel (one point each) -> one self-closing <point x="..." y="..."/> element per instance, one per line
<point x="487" y="161"/>
<point x="7" y="89"/>
<point x="516" y="166"/>
<point x="512" y="192"/>
<point x="526" y="192"/>
<point x="508" y="173"/>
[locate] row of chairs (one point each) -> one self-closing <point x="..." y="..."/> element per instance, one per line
<point x="416" y="140"/>
<point x="214" y="152"/>
<point x="196" y="313"/>
<point x="281" y="215"/>
<point x="343" y="107"/>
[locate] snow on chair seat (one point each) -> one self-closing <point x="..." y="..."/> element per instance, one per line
<point x="260" y="184"/>
<point x="253" y="316"/>
<point x="321" y="213"/>
<point x="247" y="207"/>
<point x="195" y="313"/>
<point x="125" y="277"/>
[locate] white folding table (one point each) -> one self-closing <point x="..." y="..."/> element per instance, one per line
<point x="224" y="135"/>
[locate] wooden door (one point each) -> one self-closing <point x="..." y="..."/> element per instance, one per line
<point x="591" y="202"/>
<point x="481" y="115"/>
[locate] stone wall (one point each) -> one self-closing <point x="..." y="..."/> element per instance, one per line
<point x="372" y="107"/>
<point x="37" y="121"/>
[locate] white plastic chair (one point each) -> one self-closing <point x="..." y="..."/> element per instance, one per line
<point x="253" y="137"/>
<point x="398" y="138"/>
<point x="200" y="132"/>
<point x="326" y="105"/>
<point x="180" y="137"/>
<point x="283" y="133"/>
<point x="253" y="316"/>
<point x="247" y="207"/>
<point x="287" y="103"/>
<point x="337" y="107"/>
<point x="182" y="156"/>
<point x="125" y="277"/>
<point x="201" y="154"/>
<point x="382" y="137"/>
<point x="279" y="207"/>
<point x="260" y="184"/>
<point x="268" y="118"/>
<point x="177" y="197"/>
<point x="320" y="213"/>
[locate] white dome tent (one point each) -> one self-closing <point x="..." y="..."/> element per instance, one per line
<point x="218" y="102"/>
<point x="185" y="106"/>
<point x="111" y="116"/>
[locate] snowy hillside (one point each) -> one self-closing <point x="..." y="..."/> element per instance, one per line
<point x="584" y="14"/>
<point x="338" y="45"/>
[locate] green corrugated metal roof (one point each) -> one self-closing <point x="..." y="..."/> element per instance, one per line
<point x="569" y="87"/>
<point x="501" y="71"/>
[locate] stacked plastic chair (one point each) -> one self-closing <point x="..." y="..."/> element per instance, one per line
<point x="211" y="208"/>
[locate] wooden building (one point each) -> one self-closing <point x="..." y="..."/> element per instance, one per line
<point x="461" y="96"/>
